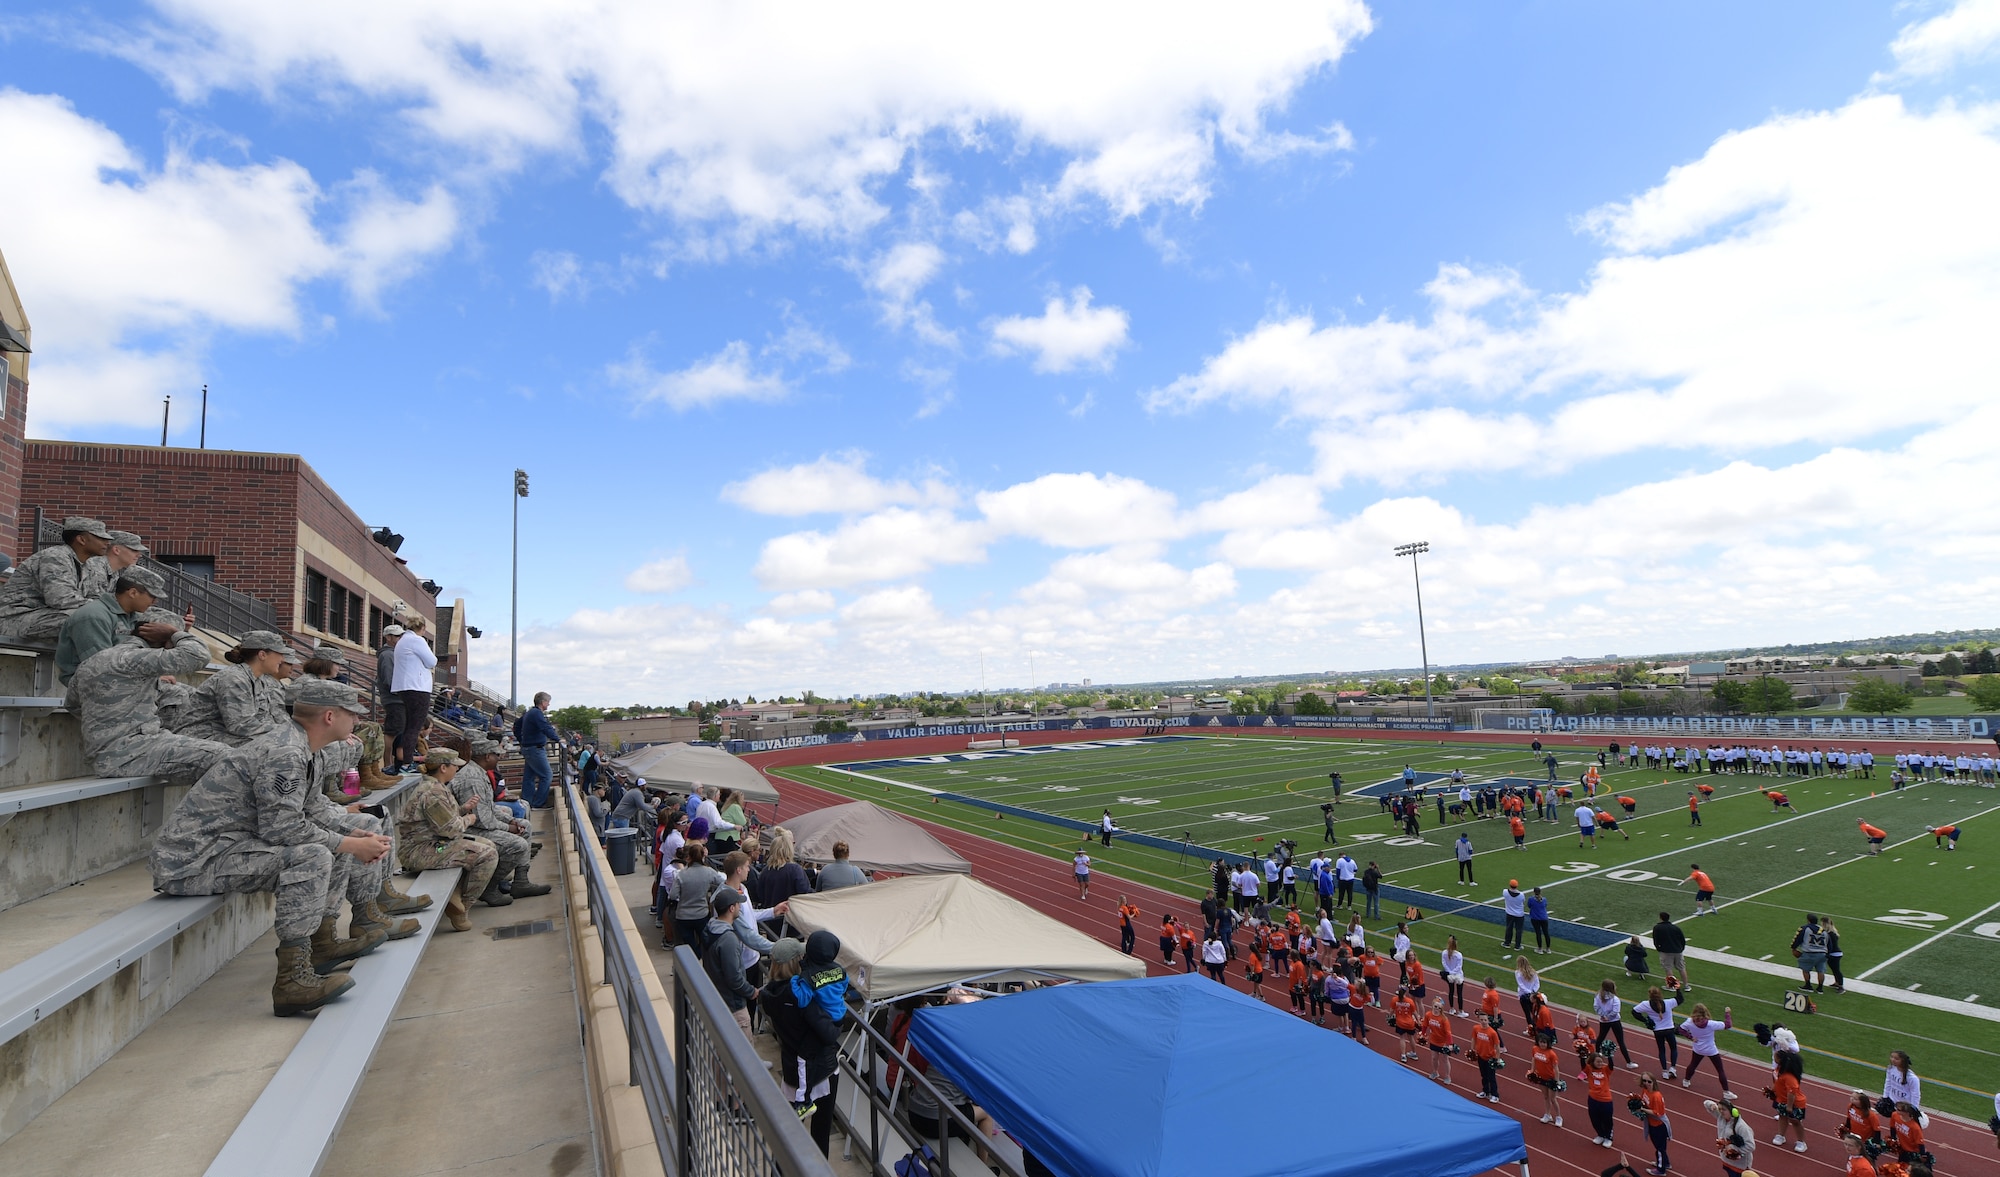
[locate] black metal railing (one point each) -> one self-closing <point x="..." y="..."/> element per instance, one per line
<point x="649" y="1060"/>
<point x="867" y="1050"/>
<point x="215" y="606"/>
<point x="734" y="1121"/>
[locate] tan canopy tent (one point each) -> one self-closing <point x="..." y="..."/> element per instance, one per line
<point x="876" y="840"/>
<point x="921" y="932"/>
<point x="685" y="766"/>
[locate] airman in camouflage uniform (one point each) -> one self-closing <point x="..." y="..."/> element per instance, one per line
<point x="124" y="550"/>
<point x="48" y="586"/>
<point x="368" y="887"/>
<point x="117" y="692"/>
<point x="333" y="809"/>
<point x="237" y="705"/>
<point x="431" y="834"/>
<point x="244" y="827"/>
<point x="498" y="826"/>
<point x="100" y="622"/>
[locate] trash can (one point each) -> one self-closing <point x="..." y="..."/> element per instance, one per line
<point x="622" y="847"/>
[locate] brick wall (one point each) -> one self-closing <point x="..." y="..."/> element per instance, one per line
<point x="13" y="426"/>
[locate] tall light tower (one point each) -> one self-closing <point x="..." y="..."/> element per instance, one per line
<point x="514" y="636"/>
<point x="1413" y="551"/>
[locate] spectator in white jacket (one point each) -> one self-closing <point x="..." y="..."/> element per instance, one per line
<point x="411" y="680"/>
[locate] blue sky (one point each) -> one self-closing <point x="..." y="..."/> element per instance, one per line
<point x="854" y="350"/>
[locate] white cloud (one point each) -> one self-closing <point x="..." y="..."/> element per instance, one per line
<point x="559" y="272"/>
<point x="1968" y="33"/>
<point x="127" y="269"/>
<point x="896" y="275"/>
<point x="803" y="601"/>
<point x="759" y="116"/>
<point x="1065" y="335"/>
<point x="669" y="574"/>
<point x="1781" y="289"/>
<point x="832" y="484"/>
<point x="1082" y="510"/>
<point x="890" y="544"/>
<point x="727" y="375"/>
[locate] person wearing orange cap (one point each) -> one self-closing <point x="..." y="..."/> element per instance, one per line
<point x="1875" y="835"/>
<point x="1944" y="834"/>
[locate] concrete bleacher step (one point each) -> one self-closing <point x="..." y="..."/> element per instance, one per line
<point x="62" y="832"/>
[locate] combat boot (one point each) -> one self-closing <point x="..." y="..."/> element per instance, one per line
<point x="298" y="988"/>
<point x="493" y="896"/>
<point x="370" y="916"/>
<point x="329" y="950"/>
<point x="373" y="779"/>
<point x="523" y="889"/>
<point x="454" y="911"/>
<point x="396" y="901"/>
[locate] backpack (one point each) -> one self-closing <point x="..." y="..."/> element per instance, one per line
<point x="917" y="1164"/>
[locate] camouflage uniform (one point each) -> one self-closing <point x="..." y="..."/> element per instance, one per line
<point x="243" y="827"/>
<point x="44" y="590"/>
<point x="431" y="834"/>
<point x="364" y="879"/>
<point x="489" y="821"/>
<point x="173" y="703"/>
<point x="97" y="624"/>
<point x="97" y="574"/>
<point x="233" y="707"/>
<point x="118" y="691"/>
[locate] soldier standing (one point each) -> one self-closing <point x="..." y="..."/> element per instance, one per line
<point x="48" y="586"/>
<point x="431" y="835"/>
<point x="243" y="828"/>
<point x="507" y="833"/>
<point x="118" y="691"/>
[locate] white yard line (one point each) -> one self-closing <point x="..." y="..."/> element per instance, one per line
<point x="1924" y="943"/>
<point x="882" y="780"/>
<point x="1870" y="988"/>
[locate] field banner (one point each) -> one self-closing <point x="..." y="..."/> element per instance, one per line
<point x="978" y="727"/>
<point x="1798" y="725"/>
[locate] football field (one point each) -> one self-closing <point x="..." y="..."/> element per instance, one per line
<point x="1920" y="926"/>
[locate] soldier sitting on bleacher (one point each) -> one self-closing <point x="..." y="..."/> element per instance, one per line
<point x="100" y="622"/>
<point x="244" y="827"/>
<point x="48" y="586"/>
<point x="122" y="551"/>
<point x="117" y="693"/>
<point x="500" y="827"/>
<point x="243" y="701"/>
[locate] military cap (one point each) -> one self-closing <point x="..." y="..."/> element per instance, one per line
<point x="146" y="579"/>
<point x="439" y="757"/>
<point x="126" y="539"/>
<point x="158" y="616"/>
<point x="86" y="525"/>
<point x="293" y="656"/>
<point x="324" y="692"/>
<point x="264" y="639"/>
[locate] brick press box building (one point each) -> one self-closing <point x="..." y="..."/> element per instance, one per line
<point x="265" y="525"/>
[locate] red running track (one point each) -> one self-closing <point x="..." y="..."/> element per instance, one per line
<point x="1046" y="885"/>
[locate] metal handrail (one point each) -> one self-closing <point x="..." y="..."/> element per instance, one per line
<point x="701" y="1016"/>
<point x="216" y="606"/>
<point x="649" y="1060"/>
<point x="882" y="1105"/>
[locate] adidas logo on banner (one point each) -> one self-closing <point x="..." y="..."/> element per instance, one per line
<point x="1270" y="722"/>
<point x="1215" y="721"/>
<point x="1078" y="726"/>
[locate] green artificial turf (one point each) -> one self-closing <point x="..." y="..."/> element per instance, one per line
<point x="1916" y="918"/>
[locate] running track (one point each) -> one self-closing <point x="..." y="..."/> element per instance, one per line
<point x="1045" y="884"/>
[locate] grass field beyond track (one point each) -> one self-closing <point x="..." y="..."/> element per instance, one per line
<point x="1920" y="919"/>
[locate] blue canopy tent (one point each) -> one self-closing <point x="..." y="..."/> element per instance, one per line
<point x="1136" y="1079"/>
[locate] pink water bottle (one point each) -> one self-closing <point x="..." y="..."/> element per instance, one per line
<point x="350" y="782"/>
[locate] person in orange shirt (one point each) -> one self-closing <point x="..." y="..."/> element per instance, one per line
<point x="1437" y="1035"/>
<point x="1583" y="1035"/>
<point x="1875" y="835"/>
<point x="1858" y="1164"/>
<point x="1127" y="930"/>
<point x="1403" y="1016"/>
<point x="1704" y="889"/>
<point x="1543" y="1071"/>
<point x="1489" y="1008"/>
<point x="1371" y="975"/>
<point x="1706" y="791"/>
<point x="1357" y="1011"/>
<point x="1944" y="834"/>
<point x="1906" y="1134"/>
<point x="1590" y="781"/>
<point x="1629" y="804"/>
<point x="1486" y="1052"/>
<point x="1297" y="976"/>
<point x="1778" y="800"/>
<point x="1596" y="1070"/>
<point x="1694" y="810"/>
<point x="1189" y="942"/>
<point x="1170" y="937"/>
<point x="1544" y="1017"/>
<point x="1281" y="950"/>
<point x="1861" y="1121"/>
<point x="1255" y="971"/>
<point x="1519" y="829"/>
<point x="1607" y="824"/>
<point x="1788" y="1100"/>
<point x="1413" y="976"/>
<point x="1651" y="1103"/>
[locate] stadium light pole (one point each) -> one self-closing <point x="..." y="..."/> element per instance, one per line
<point x="1413" y="551"/>
<point x="514" y="626"/>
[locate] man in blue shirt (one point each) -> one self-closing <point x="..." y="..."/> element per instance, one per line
<point x="536" y="733"/>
